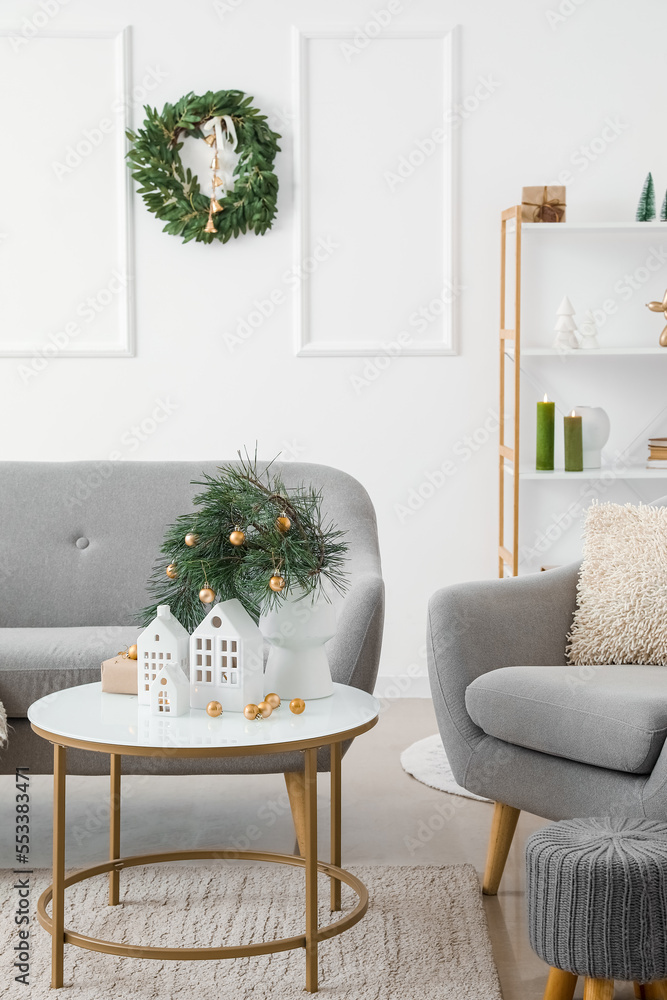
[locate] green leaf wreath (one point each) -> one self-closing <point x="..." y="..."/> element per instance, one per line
<point x="302" y="550"/>
<point x="173" y="194"/>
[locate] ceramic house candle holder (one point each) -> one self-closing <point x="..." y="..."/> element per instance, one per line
<point x="226" y="659"/>
<point x="164" y="641"/>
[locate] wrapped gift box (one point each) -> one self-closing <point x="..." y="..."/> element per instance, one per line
<point x="119" y="675"/>
<point x="545" y="203"/>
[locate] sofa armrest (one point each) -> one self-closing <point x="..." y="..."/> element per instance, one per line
<point x="354" y="652"/>
<point x="477" y="627"/>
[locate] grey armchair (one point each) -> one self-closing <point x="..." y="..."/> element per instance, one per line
<point x="523" y="728"/>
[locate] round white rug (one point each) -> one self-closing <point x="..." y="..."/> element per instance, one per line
<point x="425" y="935"/>
<point x="426" y="761"/>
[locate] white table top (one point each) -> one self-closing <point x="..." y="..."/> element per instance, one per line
<point x="88" y="714"/>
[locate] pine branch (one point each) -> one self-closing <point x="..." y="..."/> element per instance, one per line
<point x="310" y="553"/>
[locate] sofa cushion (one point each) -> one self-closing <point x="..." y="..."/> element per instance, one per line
<point x="608" y="716"/>
<point x="37" y="661"/>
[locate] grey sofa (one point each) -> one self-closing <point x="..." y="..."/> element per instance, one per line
<point x="78" y="544"/>
<point x="523" y="728"/>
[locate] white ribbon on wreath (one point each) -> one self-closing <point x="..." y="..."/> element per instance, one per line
<point x="226" y="141"/>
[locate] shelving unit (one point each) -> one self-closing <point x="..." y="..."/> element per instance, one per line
<point x="511" y="470"/>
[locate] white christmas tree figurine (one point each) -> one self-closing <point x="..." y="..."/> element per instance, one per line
<point x="589" y="332"/>
<point x="566" y="328"/>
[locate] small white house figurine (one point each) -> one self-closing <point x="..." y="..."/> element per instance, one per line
<point x="170" y="691"/>
<point x="163" y="641"/>
<point x="226" y="659"/>
<point x="566" y="336"/>
<point x="588" y="332"/>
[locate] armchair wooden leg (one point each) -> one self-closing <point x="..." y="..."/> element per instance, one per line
<point x="651" y="991"/>
<point x="560" y="985"/>
<point x="296" y="790"/>
<point x="503" y="826"/>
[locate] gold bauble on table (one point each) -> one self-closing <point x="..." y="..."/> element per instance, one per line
<point x="214" y="709"/>
<point x="297" y="706"/>
<point x="171" y="571"/>
<point x="237" y="536"/>
<point x="191" y="539"/>
<point x="264" y="709"/>
<point x="283" y="523"/>
<point x="277" y="583"/>
<point x="251" y="711"/>
<point x="206" y="595"/>
<point x="273" y="700"/>
<point x="132" y="651"/>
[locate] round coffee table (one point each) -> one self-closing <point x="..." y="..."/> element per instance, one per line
<point x="89" y="719"/>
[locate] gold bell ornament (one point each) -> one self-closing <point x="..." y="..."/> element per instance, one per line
<point x="214" y="207"/>
<point x="209" y="227"/>
<point x="210" y="139"/>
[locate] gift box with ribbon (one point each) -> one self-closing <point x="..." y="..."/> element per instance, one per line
<point x="119" y="675"/>
<point x="545" y="203"/>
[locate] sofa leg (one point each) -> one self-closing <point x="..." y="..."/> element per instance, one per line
<point x="296" y="790"/>
<point x="503" y="826"/>
<point x="598" y="989"/>
<point x="560" y="985"/>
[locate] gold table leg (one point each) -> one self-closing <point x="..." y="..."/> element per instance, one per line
<point x="335" y="822"/>
<point x="114" y="826"/>
<point x="58" y="905"/>
<point x="311" y="869"/>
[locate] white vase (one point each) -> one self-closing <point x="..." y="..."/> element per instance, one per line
<point x="297" y="666"/>
<point x="594" y="432"/>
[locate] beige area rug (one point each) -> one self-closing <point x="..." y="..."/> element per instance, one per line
<point x="424" y="936"/>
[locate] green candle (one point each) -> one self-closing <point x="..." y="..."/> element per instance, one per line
<point x="574" y="451"/>
<point x="544" y="459"/>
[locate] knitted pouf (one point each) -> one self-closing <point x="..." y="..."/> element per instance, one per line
<point x="597" y="897"/>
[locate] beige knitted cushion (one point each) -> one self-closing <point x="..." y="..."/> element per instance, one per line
<point x="621" y="614"/>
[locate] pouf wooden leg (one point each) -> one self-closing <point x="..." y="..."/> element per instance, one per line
<point x="598" y="989"/>
<point x="560" y="985"/>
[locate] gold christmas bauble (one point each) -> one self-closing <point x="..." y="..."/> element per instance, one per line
<point x="283" y="523"/>
<point x="214" y="709"/>
<point x="251" y="711"/>
<point x="273" y="700"/>
<point x="206" y="595"/>
<point x="237" y="537"/>
<point x="191" y="539"/>
<point x="297" y="705"/>
<point x="171" y="571"/>
<point x="277" y="583"/>
<point x="264" y="709"/>
<point x="132" y="651"/>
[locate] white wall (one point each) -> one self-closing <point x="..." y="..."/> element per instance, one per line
<point x="555" y="86"/>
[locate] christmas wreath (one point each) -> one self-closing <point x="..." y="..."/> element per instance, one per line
<point x="244" y="189"/>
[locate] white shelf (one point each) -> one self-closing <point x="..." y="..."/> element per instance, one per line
<point x="590" y="227"/>
<point x="619" y="472"/>
<point x="596" y="352"/>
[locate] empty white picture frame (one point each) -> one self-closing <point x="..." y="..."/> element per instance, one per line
<point x="374" y="261"/>
<point x="66" y="281"/>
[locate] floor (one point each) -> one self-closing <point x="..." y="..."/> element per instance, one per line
<point x="388" y="818"/>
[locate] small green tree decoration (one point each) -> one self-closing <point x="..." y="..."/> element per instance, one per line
<point x="247" y="532"/>
<point x="646" y="206"/>
<point x="663" y="210"/>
